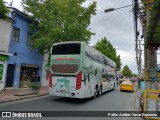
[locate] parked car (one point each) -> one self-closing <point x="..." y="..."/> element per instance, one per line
<point x="133" y="80"/>
<point x="127" y="85"/>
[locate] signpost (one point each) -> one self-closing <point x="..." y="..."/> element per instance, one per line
<point x="152" y="102"/>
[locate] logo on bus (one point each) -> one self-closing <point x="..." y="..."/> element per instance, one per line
<point x="65" y="81"/>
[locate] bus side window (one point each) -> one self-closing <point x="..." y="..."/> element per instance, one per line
<point x="105" y="61"/>
<point x="104" y="78"/>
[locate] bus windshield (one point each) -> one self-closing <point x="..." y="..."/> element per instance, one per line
<point x="64" y="49"/>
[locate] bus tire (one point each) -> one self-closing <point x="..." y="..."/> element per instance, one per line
<point x="95" y="92"/>
<point x="100" y="91"/>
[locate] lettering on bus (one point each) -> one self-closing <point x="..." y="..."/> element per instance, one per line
<point x="63" y="80"/>
<point x="71" y="59"/>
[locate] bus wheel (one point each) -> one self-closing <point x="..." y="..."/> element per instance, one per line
<point x="95" y="92"/>
<point x="100" y="91"/>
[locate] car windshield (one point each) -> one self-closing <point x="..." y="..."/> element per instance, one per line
<point x="126" y="82"/>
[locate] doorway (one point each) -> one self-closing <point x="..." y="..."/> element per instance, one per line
<point x="10" y="75"/>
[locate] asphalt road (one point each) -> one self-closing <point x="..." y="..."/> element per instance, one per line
<point x="110" y="101"/>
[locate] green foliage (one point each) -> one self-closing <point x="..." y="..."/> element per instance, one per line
<point x="134" y="75"/>
<point x="33" y="85"/>
<point x="126" y="71"/>
<point x="3" y="10"/>
<point x="58" y="20"/>
<point x="118" y="62"/>
<point x="106" y="48"/>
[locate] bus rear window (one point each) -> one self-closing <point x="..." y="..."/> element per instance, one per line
<point x="69" y="48"/>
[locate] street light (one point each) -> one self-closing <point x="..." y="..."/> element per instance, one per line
<point x="112" y="9"/>
<point x="109" y="10"/>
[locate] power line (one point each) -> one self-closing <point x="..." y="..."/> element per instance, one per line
<point x="122" y="19"/>
<point x="111" y="18"/>
<point x="124" y="10"/>
<point x="115" y="11"/>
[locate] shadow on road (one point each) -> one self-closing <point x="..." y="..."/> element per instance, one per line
<point x="72" y="100"/>
<point x="125" y="91"/>
<point x="78" y="101"/>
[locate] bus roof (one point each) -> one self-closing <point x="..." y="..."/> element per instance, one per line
<point x="103" y="55"/>
<point x="67" y="42"/>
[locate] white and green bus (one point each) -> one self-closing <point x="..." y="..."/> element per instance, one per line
<point x="79" y="71"/>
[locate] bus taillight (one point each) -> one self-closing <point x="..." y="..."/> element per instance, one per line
<point x="50" y="79"/>
<point x="79" y="80"/>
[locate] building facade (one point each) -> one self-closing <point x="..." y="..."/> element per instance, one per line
<point x="5" y="27"/>
<point x="24" y="60"/>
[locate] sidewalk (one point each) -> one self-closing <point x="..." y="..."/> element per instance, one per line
<point x="8" y="95"/>
<point x="137" y="101"/>
<point x="137" y="104"/>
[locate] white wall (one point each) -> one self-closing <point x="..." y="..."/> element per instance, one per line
<point x="2" y="82"/>
<point x="45" y="81"/>
<point x="5" y="35"/>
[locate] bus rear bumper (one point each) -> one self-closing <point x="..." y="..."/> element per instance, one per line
<point x="50" y="91"/>
<point x="62" y="93"/>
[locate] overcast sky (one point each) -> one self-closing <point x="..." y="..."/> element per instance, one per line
<point x="116" y="26"/>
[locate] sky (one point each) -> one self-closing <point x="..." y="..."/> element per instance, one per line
<point x="117" y="26"/>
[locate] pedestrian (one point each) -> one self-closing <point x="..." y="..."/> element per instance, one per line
<point x="38" y="79"/>
<point x="33" y="77"/>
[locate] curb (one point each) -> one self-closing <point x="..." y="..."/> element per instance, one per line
<point x="135" y="103"/>
<point x="23" y="98"/>
<point x="136" y="106"/>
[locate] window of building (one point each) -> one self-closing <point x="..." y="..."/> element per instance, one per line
<point x="29" y="40"/>
<point x="15" y="35"/>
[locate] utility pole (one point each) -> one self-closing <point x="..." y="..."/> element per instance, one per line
<point x="137" y="42"/>
<point x="150" y="56"/>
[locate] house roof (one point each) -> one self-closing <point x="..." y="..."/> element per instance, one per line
<point x="20" y="13"/>
<point x="153" y="33"/>
<point x="4" y="53"/>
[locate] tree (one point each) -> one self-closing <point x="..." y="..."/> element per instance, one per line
<point x="58" y="20"/>
<point x="106" y="48"/>
<point x="3" y="10"/>
<point x="118" y="62"/>
<point x="134" y="75"/>
<point x="126" y="71"/>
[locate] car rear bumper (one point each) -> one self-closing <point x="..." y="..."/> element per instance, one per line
<point x="127" y="88"/>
